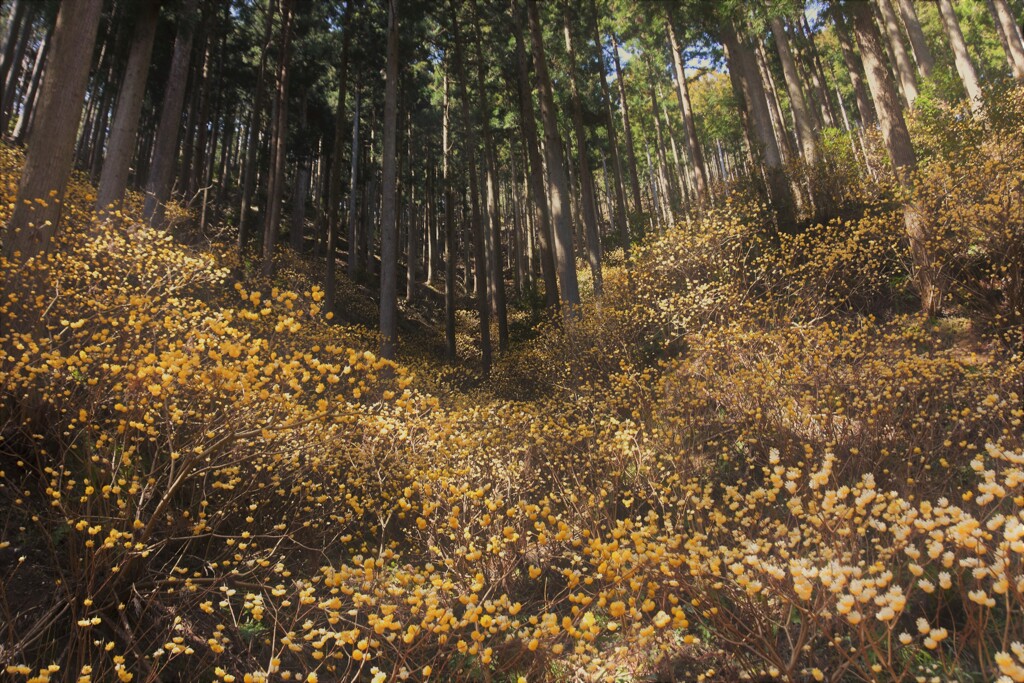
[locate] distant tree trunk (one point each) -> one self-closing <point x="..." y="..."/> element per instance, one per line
<point x="901" y="150"/>
<point x="539" y="204"/>
<point x="449" y="227"/>
<point x="252" y="145"/>
<point x="904" y="69"/>
<point x="389" y="185"/>
<point x="771" y="92"/>
<point x="741" y="60"/>
<point x="496" y="273"/>
<point x="853" y="66"/>
<point x="589" y="202"/>
<point x="1014" y="45"/>
<point x="124" y="129"/>
<point x="478" y="236"/>
<point x="558" y="185"/>
<point x="801" y="116"/>
<point x="668" y="203"/>
<point x="961" y="57"/>
<point x="337" y="171"/>
<point x="621" y="210"/>
<point x="165" y="147"/>
<point x="11" y="39"/>
<point x="278" y="141"/>
<point x="12" y="72"/>
<point x="922" y="54"/>
<point x="52" y="143"/>
<point x="303" y="177"/>
<point x="21" y="130"/>
<point x="634" y="179"/>
<point x="693" y="148"/>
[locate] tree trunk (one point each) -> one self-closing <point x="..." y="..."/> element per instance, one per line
<point x="1014" y="45"/>
<point x="389" y="204"/>
<point x="904" y="69"/>
<point x="21" y="131"/>
<point x="693" y="148"/>
<point x="477" y="228"/>
<point x="634" y="179"/>
<point x="901" y="150"/>
<point x="922" y="54"/>
<point x="303" y="178"/>
<point x="449" y="228"/>
<point x="496" y="273"/>
<point x="161" y="170"/>
<point x="539" y="204"/>
<point x="252" y="146"/>
<point x="801" y="116"/>
<point x="558" y="185"/>
<point x="278" y="141"/>
<point x="13" y="70"/>
<point x="853" y="66"/>
<point x="962" y="59"/>
<point x="621" y="218"/>
<point x="52" y="143"/>
<point x="741" y="60"/>
<point x="589" y="203"/>
<point x="124" y="129"/>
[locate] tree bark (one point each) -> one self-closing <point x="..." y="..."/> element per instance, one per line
<point x="476" y="227"/>
<point x="922" y="53"/>
<point x="693" y="148"/>
<point x="21" y="130"/>
<point x="558" y="185"/>
<point x="901" y="59"/>
<point x="589" y="203"/>
<point x="1014" y="42"/>
<point x="165" y="147"/>
<point x="741" y="61"/>
<point x="252" y="146"/>
<point x="634" y="179"/>
<point x="901" y="150"/>
<point x="389" y="188"/>
<point x="47" y="167"/>
<point x="124" y="129"/>
<point x="449" y="227"/>
<point x="961" y="57"/>
<point x="798" y="105"/>
<point x="539" y="204"/>
<point x="278" y="141"/>
<point x="853" y="66"/>
<point x="621" y="210"/>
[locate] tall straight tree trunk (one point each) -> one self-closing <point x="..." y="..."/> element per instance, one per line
<point x="961" y="57"/>
<point x="278" y="141"/>
<point x="337" y="172"/>
<point x="558" y="185"/>
<point x="589" y="203"/>
<point x="853" y="66"/>
<point x="21" y="130"/>
<point x="693" y="148"/>
<point x="449" y="226"/>
<point x="11" y="38"/>
<point x="922" y="53"/>
<point x="479" y="238"/>
<point x="252" y="146"/>
<point x="901" y="150"/>
<point x="801" y="116"/>
<point x="496" y="282"/>
<point x="165" y="147"/>
<point x="1014" y="44"/>
<point x="774" y="107"/>
<point x="51" y="146"/>
<point x="741" y="60"/>
<point x="634" y="179"/>
<point x="669" y="203"/>
<point x="539" y="203"/>
<point x="389" y="204"/>
<point x="904" y="69"/>
<point x="621" y="218"/>
<point x="124" y="129"/>
<point x="14" y="69"/>
<point x="303" y="178"/>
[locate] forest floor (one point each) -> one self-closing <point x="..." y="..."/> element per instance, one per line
<point x="750" y="459"/>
